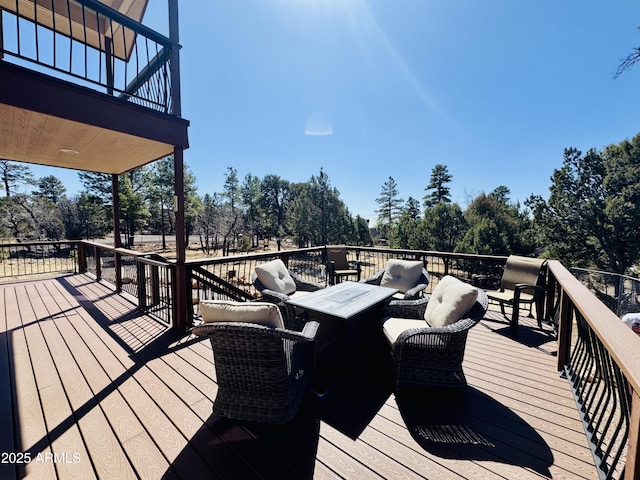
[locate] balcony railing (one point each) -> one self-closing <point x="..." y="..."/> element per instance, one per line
<point x="92" y="43"/>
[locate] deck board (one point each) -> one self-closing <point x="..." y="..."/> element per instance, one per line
<point x="82" y="372"/>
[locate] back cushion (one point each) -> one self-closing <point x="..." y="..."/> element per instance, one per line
<point x="275" y="276"/>
<point x="401" y="274"/>
<point x="521" y="270"/>
<point x="261" y="313"/>
<point x="449" y="302"/>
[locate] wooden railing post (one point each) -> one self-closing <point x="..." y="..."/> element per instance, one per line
<point x="82" y="257"/>
<point x="177" y="297"/>
<point x="117" y="265"/>
<point x="96" y="257"/>
<point x="550" y="296"/>
<point x="632" y="465"/>
<point x="142" y="285"/>
<point x="155" y="285"/>
<point x="564" y="331"/>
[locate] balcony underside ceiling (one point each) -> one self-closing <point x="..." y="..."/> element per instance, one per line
<point x="44" y="121"/>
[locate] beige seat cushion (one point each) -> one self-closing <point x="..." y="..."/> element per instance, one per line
<point x="402" y="275"/>
<point x="275" y="276"/>
<point x="261" y="313"/>
<point x="392" y="327"/>
<point x="508" y="296"/>
<point x="450" y="300"/>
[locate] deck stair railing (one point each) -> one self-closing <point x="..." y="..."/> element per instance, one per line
<point x="91" y="43"/>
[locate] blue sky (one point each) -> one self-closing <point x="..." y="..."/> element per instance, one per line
<point x="367" y="89"/>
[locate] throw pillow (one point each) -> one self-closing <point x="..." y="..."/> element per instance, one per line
<point x="450" y="300"/>
<point x="402" y="275"/>
<point x="261" y="313"/>
<point x="275" y="276"/>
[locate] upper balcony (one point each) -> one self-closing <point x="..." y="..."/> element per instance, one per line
<point x="85" y="85"/>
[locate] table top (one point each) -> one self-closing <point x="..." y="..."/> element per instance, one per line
<point x="343" y="300"/>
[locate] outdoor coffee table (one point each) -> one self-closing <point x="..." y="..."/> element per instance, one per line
<point x="347" y="314"/>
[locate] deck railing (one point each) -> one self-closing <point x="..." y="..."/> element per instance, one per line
<point x="230" y="278"/>
<point x="92" y="43"/>
<point x="37" y="258"/>
<point x="146" y="278"/>
<point x="620" y="293"/>
<point x="600" y="357"/>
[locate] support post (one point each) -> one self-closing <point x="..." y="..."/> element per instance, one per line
<point x="180" y="281"/>
<point x="117" y="240"/>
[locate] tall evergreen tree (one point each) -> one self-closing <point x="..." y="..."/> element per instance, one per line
<point x="51" y="188"/>
<point x="250" y="194"/>
<point x="592" y="217"/>
<point x="275" y="202"/>
<point x="13" y="176"/>
<point x="390" y="207"/>
<point x="440" y="176"/>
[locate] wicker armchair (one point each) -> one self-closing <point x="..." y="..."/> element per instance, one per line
<point x="390" y="276"/>
<point x="427" y="356"/>
<point x="281" y="299"/>
<point x="261" y="371"/>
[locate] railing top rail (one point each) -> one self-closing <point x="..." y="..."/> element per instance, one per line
<point x="611" y="274"/>
<point x="35" y="244"/>
<point x="623" y="346"/>
<point x="249" y="256"/>
<point x="139" y="256"/>
<point x="397" y="251"/>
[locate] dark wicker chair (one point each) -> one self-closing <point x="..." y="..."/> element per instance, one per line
<point x="427" y="356"/>
<point x="410" y="294"/>
<point x="261" y="371"/>
<point x="281" y="299"/>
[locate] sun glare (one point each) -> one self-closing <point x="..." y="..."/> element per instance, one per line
<point x="318" y="123"/>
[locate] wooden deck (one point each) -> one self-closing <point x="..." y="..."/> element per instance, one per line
<point x="90" y="388"/>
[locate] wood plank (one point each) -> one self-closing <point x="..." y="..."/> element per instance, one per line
<point x="125" y="373"/>
<point x="107" y="456"/>
<point x="7" y="470"/>
<point x="31" y="430"/>
<point x="107" y="374"/>
<point x="162" y="424"/>
<point x="71" y="458"/>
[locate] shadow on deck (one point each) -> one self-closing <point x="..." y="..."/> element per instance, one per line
<point x="88" y="377"/>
